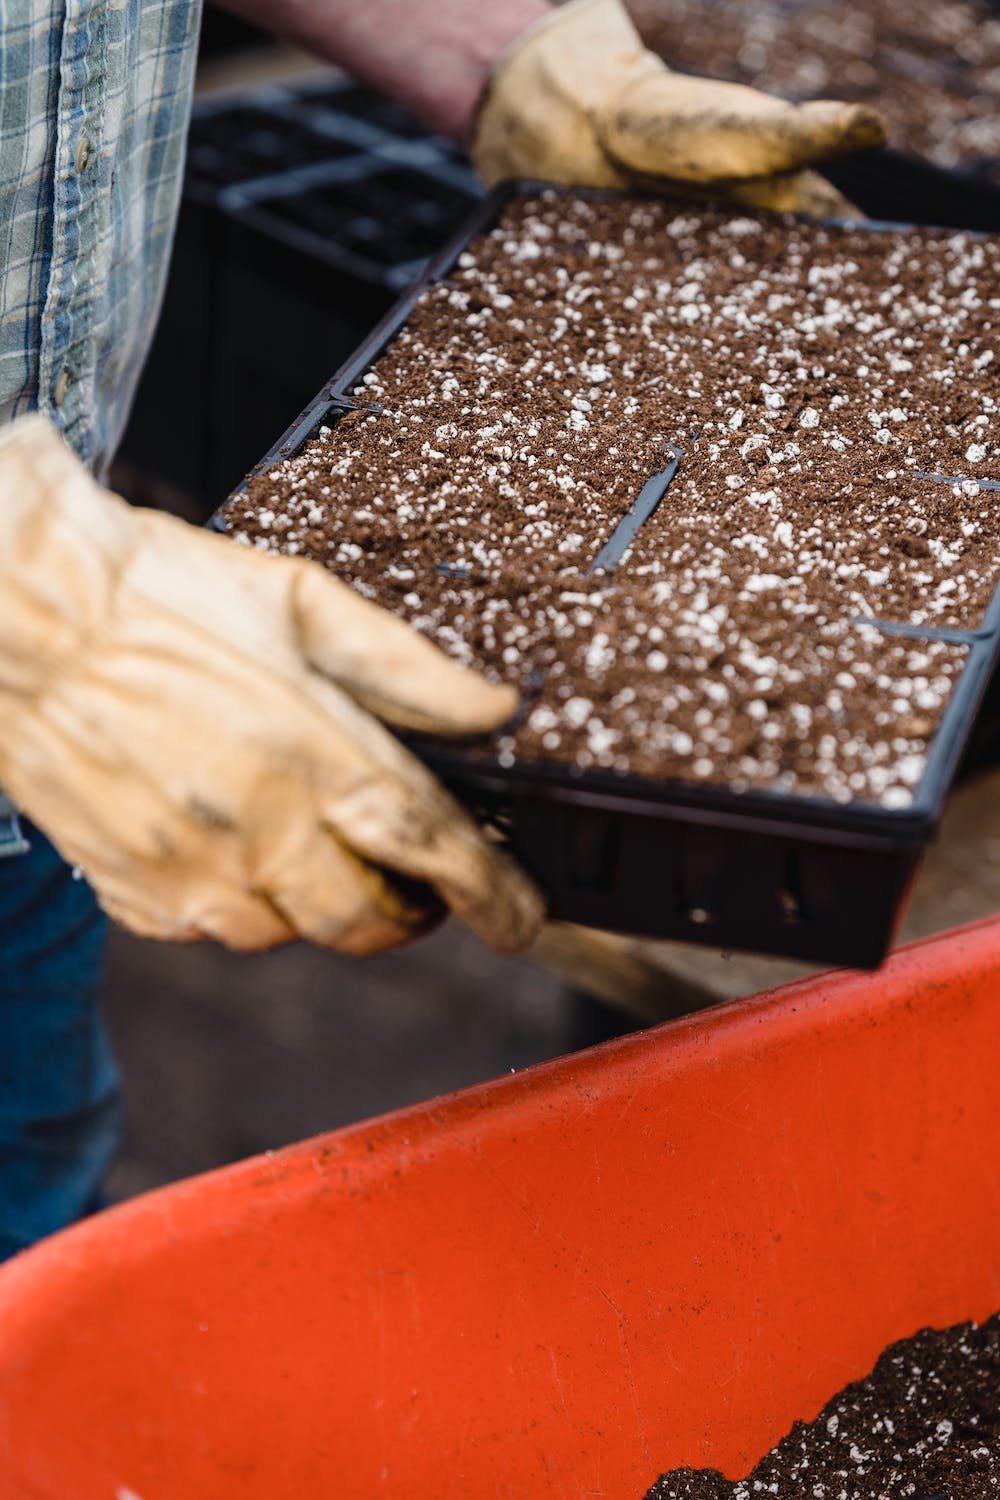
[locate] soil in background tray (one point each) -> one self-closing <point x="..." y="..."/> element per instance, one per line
<point x="811" y="378"/>
<point x="931" y="66"/>
<point x="924" y="1425"/>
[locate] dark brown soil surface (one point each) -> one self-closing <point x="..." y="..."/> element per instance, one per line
<point x="810" y="377"/>
<point x="931" y="66"/>
<point x="924" y="1425"/>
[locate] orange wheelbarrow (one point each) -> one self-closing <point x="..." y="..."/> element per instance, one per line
<point x="659" y="1252"/>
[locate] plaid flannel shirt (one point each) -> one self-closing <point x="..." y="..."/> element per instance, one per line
<point x="94" y="104"/>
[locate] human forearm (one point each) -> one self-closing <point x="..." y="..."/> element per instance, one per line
<point x="434" y="56"/>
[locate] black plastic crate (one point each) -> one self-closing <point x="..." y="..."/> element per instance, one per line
<point x="168" y="436"/>
<point x="361" y="103"/>
<point x="247" y="142"/>
<point x="773" y="873"/>
<point x="379" y="225"/>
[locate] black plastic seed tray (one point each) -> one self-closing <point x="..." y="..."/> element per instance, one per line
<point x="764" y="872"/>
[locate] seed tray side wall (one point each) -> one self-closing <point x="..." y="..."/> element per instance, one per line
<point x="794" y="876"/>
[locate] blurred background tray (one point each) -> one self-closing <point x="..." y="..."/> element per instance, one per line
<point x="306" y="211"/>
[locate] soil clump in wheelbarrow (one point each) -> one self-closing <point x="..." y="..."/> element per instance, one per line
<point x="924" y="1425"/>
<point x="815" y="386"/>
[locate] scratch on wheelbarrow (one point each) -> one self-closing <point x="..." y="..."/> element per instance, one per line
<point x="625" y="1327"/>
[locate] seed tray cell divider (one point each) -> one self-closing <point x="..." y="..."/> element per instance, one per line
<point x="767" y="872"/>
<point x="628" y="528"/>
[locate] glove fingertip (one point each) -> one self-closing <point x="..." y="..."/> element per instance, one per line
<point x="525" y="916"/>
<point x="487" y="706"/>
<point x="845" y="127"/>
<point x="462" y="706"/>
<point x="511" y="917"/>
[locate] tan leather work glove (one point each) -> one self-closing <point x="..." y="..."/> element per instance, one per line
<point x="194" y="724"/>
<point x="579" y="100"/>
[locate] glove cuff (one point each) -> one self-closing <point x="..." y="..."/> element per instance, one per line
<point x="536" y="116"/>
<point x="63" y="542"/>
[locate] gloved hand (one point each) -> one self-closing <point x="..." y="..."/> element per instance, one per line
<point x="579" y="100"/>
<point x="193" y="724"/>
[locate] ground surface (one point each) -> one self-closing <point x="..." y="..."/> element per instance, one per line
<point x="225" y="1056"/>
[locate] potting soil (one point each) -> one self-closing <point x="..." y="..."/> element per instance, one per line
<point x="931" y="66"/>
<point x="810" y="378"/>
<point x="924" y="1425"/>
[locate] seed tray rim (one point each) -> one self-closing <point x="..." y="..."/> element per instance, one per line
<point x="890" y="827"/>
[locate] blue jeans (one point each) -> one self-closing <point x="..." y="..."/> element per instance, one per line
<point x="59" y="1097"/>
